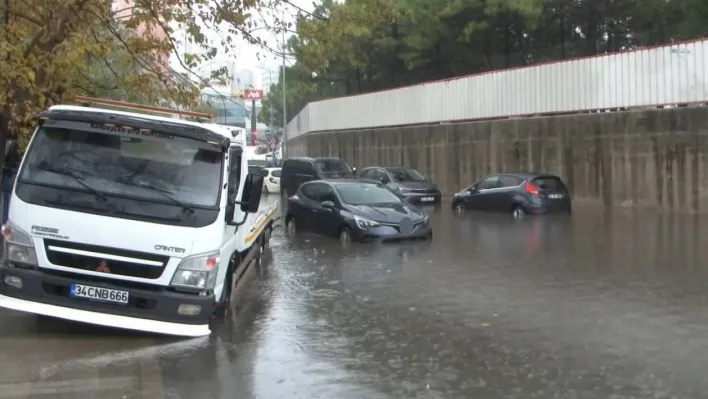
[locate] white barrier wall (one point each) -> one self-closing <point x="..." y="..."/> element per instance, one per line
<point x="672" y="74"/>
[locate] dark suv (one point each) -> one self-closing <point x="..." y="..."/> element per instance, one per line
<point x="300" y="170"/>
<point x="516" y="193"/>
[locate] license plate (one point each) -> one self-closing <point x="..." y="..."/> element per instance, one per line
<point x="98" y="293"/>
<point x="428" y="199"/>
<point x="555" y="196"/>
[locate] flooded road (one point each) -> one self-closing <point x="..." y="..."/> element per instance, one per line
<point x="598" y="305"/>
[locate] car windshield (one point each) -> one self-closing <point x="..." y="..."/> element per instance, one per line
<point x="405" y="174"/>
<point x="150" y="168"/>
<point x="332" y="166"/>
<point x="366" y="194"/>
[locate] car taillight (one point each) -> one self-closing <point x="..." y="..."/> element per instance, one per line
<point x="531" y="188"/>
<point x="272" y="180"/>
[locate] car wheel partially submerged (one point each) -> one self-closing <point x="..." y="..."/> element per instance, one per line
<point x="345" y="236"/>
<point x="458" y="209"/>
<point x="518" y="212"/>
<point x="290" y="226"/>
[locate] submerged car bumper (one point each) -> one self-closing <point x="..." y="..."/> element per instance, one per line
<point x="546" y="207"/>
<point x="421" y="230"/>
<point x="154" y="310"/>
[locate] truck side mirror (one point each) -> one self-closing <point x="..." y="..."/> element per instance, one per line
<point x="252" y="190"/>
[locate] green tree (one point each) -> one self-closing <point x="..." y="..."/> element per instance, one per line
<point x="52" y="50"/>
<point x="367" y="45"/>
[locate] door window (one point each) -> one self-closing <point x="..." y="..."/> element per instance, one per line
<point x="376" y="174"/>
<point x="327" y="194"/>
<point x="304" y="168"/>
<point x="509" y="181"/>
<point x="369" y="174"/>
<point x="309" y="191"/>
<point x="319" y="192"/>
<point x="488" y="182"/>
<point x="234" y="172"/>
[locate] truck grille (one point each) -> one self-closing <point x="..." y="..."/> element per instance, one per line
<point x="118" y="261"/>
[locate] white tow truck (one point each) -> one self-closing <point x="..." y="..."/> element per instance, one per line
<point x="131" y="220"/>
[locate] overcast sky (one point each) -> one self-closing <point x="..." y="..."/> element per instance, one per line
<point x="249" y="56"/>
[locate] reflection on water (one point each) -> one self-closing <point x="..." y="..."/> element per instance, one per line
<point x="596" y="305"/>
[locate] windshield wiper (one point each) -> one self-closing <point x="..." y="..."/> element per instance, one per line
<point x="79" y="179"/>
<point x="162" y="191"/>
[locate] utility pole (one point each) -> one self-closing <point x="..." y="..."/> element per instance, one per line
<point x="285" y="108"/>
<point x="270" y="79"/>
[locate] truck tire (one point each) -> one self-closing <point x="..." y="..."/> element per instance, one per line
<point x="223" y="306"/>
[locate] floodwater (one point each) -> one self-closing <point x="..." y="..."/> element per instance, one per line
<point x="598" y="305"/>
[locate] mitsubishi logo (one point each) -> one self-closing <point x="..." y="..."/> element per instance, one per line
<point x="103" y="267"/>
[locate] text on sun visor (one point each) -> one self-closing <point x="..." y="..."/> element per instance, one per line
<point x="133" y="131"/>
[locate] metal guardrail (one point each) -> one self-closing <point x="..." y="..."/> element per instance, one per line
<point x="650" y="77"/>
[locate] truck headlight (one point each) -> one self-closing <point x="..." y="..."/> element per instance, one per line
<point x="198" y="271"/>
<point x="19" y="247"/>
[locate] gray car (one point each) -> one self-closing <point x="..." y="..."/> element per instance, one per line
<point x="408" y="182"/>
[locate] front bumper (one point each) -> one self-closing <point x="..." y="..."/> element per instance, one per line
<point x="389" y="233"/>
<point x="423" y="198"/>
<point x="150" y="309"/>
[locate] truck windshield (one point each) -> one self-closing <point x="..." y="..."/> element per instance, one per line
<point x="176" y="172"/>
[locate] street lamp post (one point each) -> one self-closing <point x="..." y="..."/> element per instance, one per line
<point x="270" y="79"/>
<point x="285" y="109"/>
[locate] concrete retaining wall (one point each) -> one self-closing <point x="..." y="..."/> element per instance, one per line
<point x="655" y="158"/>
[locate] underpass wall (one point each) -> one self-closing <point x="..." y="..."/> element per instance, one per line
<point x="656" y="157"/>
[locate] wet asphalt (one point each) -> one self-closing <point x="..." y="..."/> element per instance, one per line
<point x="598" y="305"/>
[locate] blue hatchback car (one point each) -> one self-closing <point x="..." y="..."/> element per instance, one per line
<point x="516" y="193"/>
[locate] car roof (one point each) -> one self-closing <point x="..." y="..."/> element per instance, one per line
<point x="310" y="159"/>
<point x="524" y="175"/>
<point x="389" y="167"/>
<point x="344" y="182"/>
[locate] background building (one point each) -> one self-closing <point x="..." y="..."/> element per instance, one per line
<point x="268" y="78"/>
<point x="123" y="10"/>
<point x="243" y="79"/>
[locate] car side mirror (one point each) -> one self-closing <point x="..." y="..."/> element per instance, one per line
<point x="328" y="205"/>
<point x="354" y="171"/>
<point x="472" y="190"/>
<point x="385" y="180"/>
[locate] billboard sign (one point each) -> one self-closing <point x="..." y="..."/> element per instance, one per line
<point x="252" y="94"/>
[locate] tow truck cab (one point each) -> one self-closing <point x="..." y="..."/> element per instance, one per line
<point x="130" y="221"/>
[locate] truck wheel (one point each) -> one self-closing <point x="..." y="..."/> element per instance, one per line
<point x="224" y="304"/>
<point x="267" y="233"/>
<point x="345" y="236"/>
